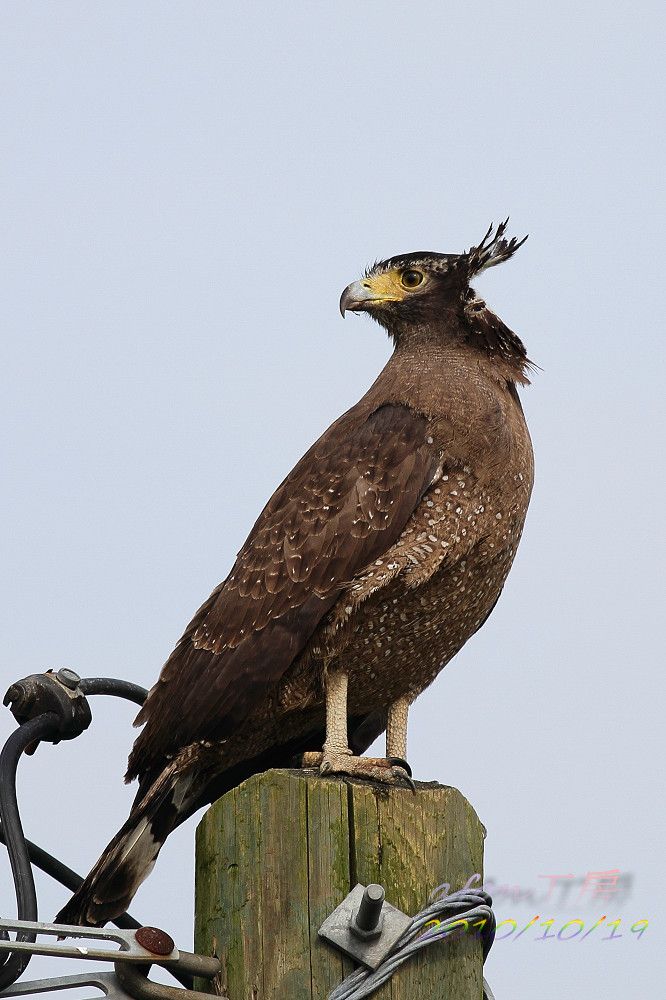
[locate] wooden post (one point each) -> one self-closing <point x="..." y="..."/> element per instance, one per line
<point x="277" y="854"/>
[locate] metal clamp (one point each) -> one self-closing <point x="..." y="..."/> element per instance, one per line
<point x="51" y="692"/>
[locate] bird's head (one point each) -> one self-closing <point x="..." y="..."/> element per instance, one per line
<point x="424" y="289"/>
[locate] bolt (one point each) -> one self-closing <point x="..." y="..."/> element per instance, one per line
<point x="367" y="922"/>
<point x="68" y="677"/>
<point x="154" y="940"/>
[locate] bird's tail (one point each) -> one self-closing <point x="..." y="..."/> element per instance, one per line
<point x="109" y="888"/>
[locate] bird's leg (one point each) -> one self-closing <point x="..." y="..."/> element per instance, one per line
<point x="337" y="758"/>
<point x="396" y="732"/>
<point x="337" y="740"/>
<point x="336" y="748"/>
<point x="336" y="745"/>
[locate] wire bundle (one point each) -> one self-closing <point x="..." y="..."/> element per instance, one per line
<point x="455" y="915"/>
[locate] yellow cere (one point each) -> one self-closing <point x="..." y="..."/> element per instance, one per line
<point x="387" y="287"/>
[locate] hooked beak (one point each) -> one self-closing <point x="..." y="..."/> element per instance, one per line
<point x="359" y="296"/>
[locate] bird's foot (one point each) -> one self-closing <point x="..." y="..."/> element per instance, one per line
<point x="388" y="770"/>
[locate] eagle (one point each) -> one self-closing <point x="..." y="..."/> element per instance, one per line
<point x="382" y="552"/>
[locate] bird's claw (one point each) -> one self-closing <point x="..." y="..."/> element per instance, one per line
<point x="386" y="770"/>
<point x="402" y="771"/>
<point x="400" y="762"/>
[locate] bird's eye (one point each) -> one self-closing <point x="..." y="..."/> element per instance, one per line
<point x="411" y="279"/>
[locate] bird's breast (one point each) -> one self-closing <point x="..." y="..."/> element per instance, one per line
<point x="402" y="619"/>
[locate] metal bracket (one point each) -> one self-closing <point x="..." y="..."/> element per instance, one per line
<point x="137" y="950"/>
<point x="130" y="949"/>
<point x="364" y="926"/>
<point x="106" y="982"/>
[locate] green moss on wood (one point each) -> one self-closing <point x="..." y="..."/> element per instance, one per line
<point x="277" y="854"/>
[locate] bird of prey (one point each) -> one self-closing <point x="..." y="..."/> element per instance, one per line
<point x="381" y="553"/>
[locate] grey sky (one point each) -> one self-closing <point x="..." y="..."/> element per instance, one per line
<point x="186" y="189"/>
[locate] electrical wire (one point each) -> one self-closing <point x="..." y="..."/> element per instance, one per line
<point x="467" y="906"/>
<point x="42" y="727"/>
<point x="23" y="853"/>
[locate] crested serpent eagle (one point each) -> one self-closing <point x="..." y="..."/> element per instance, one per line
<point x="381" y="553"/>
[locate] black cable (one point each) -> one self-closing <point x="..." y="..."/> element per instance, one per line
<point x="22" y="852"/>
<point x="111" y="686"/>
<point x="42" y="727"/>
<point x="65" y="876"/>
<point x="72" y="880"/>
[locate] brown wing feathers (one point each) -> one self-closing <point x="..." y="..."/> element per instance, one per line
<point x="342" y="506"/>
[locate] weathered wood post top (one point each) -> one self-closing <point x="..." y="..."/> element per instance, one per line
<point x="275" y="856"/>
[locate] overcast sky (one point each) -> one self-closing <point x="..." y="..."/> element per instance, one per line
<point x="186" y="189"/>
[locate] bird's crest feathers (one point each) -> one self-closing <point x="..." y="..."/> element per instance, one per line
<point x="493" y="249"/>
